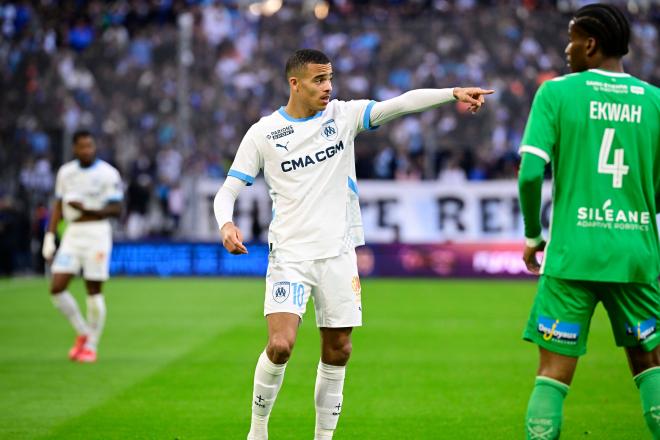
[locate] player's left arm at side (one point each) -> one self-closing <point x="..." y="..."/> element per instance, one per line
<point x="419" y="100"/>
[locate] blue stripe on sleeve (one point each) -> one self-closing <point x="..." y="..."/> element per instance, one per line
<point x="366" y="121"/>
<point x="353" y="186"/>
<point x="244" y="177"/>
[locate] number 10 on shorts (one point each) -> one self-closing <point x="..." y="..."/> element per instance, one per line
<point x="298" y="293"/>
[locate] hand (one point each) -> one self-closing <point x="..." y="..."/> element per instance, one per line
<point x="232" y="239"/>
<point x="48" y="247"/>
<point x="472" y="95"/>
<point x="529" y="257"/>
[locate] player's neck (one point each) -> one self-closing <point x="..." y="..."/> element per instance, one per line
<point x="298" y="110"/>
<point x="611" y="65"/>
<point x="82" y="164"/>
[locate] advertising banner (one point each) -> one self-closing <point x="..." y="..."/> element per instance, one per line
<point x="453" y="260"/>
<point x="392" y="212"/>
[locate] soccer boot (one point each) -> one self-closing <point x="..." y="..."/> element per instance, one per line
<point x="77" y="346"/>
<point x="86" y="355"/>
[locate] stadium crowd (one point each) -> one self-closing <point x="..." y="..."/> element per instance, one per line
<point x="116" y="69"/>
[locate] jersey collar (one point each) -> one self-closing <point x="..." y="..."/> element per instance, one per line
<point x="286" y="116"/>
<point x="608" y="73"/>
<point x="93" y="164"/>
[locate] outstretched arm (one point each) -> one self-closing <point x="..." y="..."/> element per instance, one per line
<point x="223" y="207"/>
<point x="419" y="100"/>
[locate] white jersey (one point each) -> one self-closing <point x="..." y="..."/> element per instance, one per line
<point x="94" y="186"/>
<point x="309" y="167"/>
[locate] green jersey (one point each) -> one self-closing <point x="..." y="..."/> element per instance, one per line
<point x="601" y="132"/>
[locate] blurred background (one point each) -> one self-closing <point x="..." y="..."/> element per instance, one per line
<point x="169" y="87"/>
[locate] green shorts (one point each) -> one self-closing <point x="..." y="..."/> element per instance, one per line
<point x="562" y="311"/>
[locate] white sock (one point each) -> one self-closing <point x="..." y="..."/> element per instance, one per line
<point x="67" y="304"/>
<point x="328" y="398"/>
<point x="268" y="379"/>
<point x="95" y="319"/>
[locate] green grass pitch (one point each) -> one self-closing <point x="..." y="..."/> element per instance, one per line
<point x="434" y="360"/>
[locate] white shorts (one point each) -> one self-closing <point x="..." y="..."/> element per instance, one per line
<point x="87" y="245"/>
<point x="332" y="282"/>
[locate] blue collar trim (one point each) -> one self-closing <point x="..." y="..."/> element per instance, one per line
<point x="286" y="116"/>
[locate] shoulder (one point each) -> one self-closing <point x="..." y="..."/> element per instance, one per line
<point x="259" y="131"/>
<point x="641" y="87"/>
<point x="107" y="169"/>
<point x="561" y="83"/>
<point x="68" y="168"/>
<point x="337" y="104"/>
<point x="553" y="91"/>
<point x="352" y="108"/>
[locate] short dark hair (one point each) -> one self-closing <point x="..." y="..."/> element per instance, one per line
<point x="607" y="25"/>
<point x="302" y="57"/>
<point x="80" y="134"/>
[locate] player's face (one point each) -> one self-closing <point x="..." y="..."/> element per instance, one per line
<point x="576" y="50"/>
<point x="85" y="150"/>
<point x="316" y="86"/>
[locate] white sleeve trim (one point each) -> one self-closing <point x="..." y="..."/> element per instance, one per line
<point x="223" y="204"/>
<point x="413" y="101"/>
<point x="535" y="151"/>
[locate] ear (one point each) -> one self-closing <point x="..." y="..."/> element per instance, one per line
<point x="294" y="83"/>
<point x="591" y="46"/>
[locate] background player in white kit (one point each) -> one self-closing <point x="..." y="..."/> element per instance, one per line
<point x="88" y="191"/>
<point x="306" y="152"/>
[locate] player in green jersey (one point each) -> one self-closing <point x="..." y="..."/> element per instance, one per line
<point x="600" y="129"/>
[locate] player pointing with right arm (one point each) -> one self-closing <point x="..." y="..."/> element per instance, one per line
<point x="306" y="152"/>
<point x="600" y="129"/>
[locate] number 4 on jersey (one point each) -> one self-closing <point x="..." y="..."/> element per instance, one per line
<point x="616" y="169"/>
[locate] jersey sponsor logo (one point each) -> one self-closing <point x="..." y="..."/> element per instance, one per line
<point x="280" y="132"/>
<point x="608" y="87"/>
<point x="282" y="146"/>
<point x="637" y="90"/>
<point x="281" y="291"/>
<point x="319" y="156"/>
<point x="616" y="112"/>
<point x="606" y="217"/>
<point x="555" y="330"/>
<point x="329" y="130"/>
<point x="643" y="330"/>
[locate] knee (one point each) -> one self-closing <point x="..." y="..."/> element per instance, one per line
<point x="641" y="360"/>
<point x="56" y="288"/>
<point x="339" y="353"/>
<point x="279" y="349"/>
<point x="559" y="374"/>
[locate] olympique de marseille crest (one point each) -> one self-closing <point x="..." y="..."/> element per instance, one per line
<point x="329" y="130"/>
<point x="281" y="291"/>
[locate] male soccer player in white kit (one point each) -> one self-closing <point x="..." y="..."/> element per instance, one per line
<point x="307" y="154"/>
<point x="88" y="191"/>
